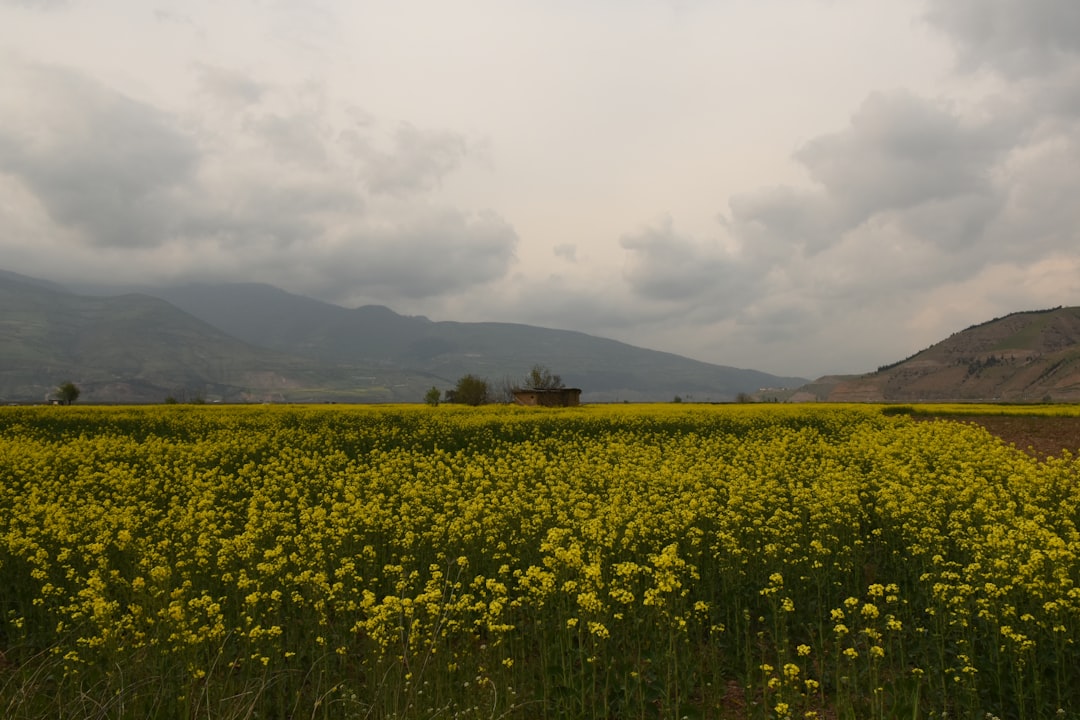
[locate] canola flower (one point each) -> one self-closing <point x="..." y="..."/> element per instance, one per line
<point x="607" y="561"/>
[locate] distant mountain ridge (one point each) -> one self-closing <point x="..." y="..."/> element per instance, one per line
<point x="1030" y="356"/>
<point x="606" y="370"/>
<point x="126" y="348"/>
<point x="252" y="342"/>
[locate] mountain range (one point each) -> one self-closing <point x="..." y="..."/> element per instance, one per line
<point x="251" y="342"/>
<point x="257" y="343"/>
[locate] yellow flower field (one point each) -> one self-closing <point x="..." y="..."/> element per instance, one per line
<point x="596" y="562"/>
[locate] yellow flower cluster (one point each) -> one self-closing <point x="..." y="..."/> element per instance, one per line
<point x="411" y="559"/>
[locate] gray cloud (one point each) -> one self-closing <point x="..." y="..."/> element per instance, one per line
<point x="274" y="160"/>
<point x="904" y="166"/>
<point x="110" y="166"/>
<point x="249" y="213"/>
<point x="1039" y="212"/>
<point x="259" y="191"/>
<point x="228" y="88"/>
<point x="773" y="223"/>
<point x="567" y="251"/>
<point x="953" y="222"/>
<point x="900" y="152"/>
<point x="1017" y="37"/>
<point x="293" y="139"/>
<point x="664" y="265"/>
<point x="781" y="319"/>
<point x="1032" y="46"/>
<point x="912" y="197"/>
<point x="425" y="254"/>
<point x="416" y="161"/>
<point x="599" y="306"/>
<point x="915" y="198"/>
<point x="36" y="4"/>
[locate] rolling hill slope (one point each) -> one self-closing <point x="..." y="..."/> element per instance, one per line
<point x="137" y="348"/>
<point x="248" y="342"/>
<point x="1023" y="357"/>
<point x="607" y="370"/>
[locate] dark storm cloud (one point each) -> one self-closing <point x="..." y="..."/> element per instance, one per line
<point x="111" y="167"/>
<point x="1017" y="37"/>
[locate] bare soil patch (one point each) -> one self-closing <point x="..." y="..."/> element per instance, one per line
<point x="1040" y="437"/>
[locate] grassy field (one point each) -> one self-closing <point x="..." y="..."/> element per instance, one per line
<point x="597" y="562"/>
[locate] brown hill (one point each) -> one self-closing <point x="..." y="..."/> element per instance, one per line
<point x="1022" y="357"/>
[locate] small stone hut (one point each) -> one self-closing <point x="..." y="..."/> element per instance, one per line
<point x="544" y="397"/>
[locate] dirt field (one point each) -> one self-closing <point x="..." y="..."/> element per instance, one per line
<point x="1040" y="437"/>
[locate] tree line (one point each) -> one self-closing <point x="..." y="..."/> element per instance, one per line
<point x="474" y="390"/>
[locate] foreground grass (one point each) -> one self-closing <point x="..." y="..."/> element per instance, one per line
<point x="616" y="562"/>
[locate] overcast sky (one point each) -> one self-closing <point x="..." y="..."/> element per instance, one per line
<point x="797" y="186"/>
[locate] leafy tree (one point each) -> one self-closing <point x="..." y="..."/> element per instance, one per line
<point x="541" y="378"/>
<point x="67" y="393"/>
<point x="431" y="397"/>
<point x="470" y="390"/>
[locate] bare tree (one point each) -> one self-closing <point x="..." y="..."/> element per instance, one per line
<point x="503" y="390"/>
<point x="541" y="378"/>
